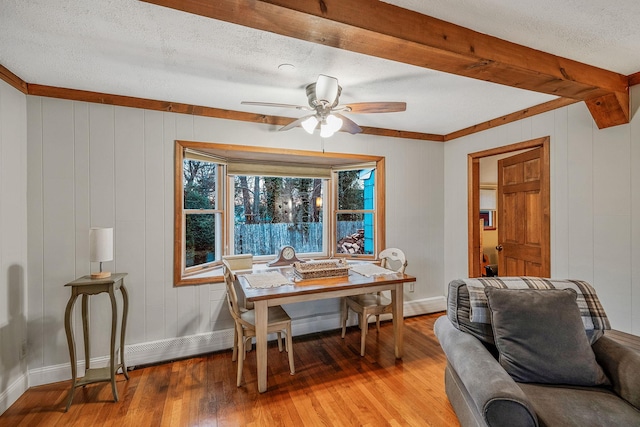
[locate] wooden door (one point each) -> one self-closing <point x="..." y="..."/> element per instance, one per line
<point x="523" y="215"/>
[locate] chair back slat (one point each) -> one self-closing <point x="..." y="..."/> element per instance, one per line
<point x="393" y="259"/>
<point x="232" y="296"/>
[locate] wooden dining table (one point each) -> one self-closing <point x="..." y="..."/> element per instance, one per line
<point x="316" y="289"/>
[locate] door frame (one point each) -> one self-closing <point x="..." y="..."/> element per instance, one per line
<point x="473" y="195"/>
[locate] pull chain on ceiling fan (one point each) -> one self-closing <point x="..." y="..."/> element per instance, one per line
<point x="323" y="97"/>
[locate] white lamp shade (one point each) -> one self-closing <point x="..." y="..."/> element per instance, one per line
<point x="334" y="123"/>
<point x="101" y="244"/>
<point x="326" y="89"/>
<point x="329" y="126"/>
<point x="310" y="124"/>
<point x="325" y="131"/>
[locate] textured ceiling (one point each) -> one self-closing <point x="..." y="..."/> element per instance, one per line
<point x="131" y="48"/>
<point x="602" y="33"/>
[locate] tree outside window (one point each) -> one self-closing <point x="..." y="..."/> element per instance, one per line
<point x="200" y="203"/>
<point x="270" y="212"/>
<point x="356" y="212"/>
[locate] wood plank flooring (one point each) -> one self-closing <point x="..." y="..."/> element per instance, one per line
<point x="332" y="386"/>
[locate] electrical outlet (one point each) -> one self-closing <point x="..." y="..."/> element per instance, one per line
<point x="23" y="349"/>
<point x="412" y="286"/>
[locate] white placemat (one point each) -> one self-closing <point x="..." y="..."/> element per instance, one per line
<point x="268" y="279"/>
<point x="370" y="270"/>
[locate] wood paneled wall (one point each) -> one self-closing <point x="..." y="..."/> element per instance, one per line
<point x="99" y="165"/>
<point x="595" y="202"/>
<point x="13" y="244"/>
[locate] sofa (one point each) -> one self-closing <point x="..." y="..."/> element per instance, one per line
<point x="540" y="357"/>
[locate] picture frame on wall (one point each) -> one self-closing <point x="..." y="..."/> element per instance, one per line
<point x="489" y="219"/>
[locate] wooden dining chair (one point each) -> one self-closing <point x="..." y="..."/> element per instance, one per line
<point x="237" y="263"/>
<point x="376" y="304"/>
<point x="245" y="328"/>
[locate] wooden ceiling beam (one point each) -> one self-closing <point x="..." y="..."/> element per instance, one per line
<point x="386" y="31"/>
<point x="634" y="79"/>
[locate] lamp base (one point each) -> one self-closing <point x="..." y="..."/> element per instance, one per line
<point x="101" y="275"/>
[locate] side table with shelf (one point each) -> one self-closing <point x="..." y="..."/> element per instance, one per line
<point x="86" y="286"/>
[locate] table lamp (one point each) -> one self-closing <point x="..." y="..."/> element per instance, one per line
<point x="101" y="249"/>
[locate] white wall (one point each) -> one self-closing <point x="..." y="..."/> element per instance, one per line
<point x="595" y="202"/>
<point x="97" y="165"/>
<point x="13" y="244"/>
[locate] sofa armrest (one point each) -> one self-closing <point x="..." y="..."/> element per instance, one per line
<point x="496" y="395"/>
<point x="622" y="366"/>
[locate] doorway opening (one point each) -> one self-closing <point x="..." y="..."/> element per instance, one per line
<point x="525" y="231"/>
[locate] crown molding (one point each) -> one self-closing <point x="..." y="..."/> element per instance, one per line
<point x="181" y="108"/>
<point x="13" y="80"/>
<point x="512" y="117"/>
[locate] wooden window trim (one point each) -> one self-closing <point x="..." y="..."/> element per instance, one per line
<point x="258" y="154"/>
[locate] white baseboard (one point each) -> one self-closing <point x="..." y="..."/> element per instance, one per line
<point x="177" y="348"/>
<point x="425" y="306"/>
<point x="192" y="345"/>
<point x="61" y="372"/>
<point x="13" y="392"/>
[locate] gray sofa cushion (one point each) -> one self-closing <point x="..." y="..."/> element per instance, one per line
<point x="579" y="406"/>
<point x="540" y="337"/>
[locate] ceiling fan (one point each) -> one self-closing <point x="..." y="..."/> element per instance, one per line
<point x="323" y="96"/>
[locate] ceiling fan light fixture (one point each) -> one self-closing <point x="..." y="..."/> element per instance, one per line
<point x="334" y="122"/>
<point x="326" y="89"/>
<point x="329" y="126"/>
<point x="323" y="97"/>
<point x="325" y="131"/>
<point x="310" y="124"/>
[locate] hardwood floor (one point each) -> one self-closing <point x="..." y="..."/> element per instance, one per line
<point x="332" y="386"/>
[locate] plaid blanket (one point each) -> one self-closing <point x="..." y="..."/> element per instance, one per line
<point x="591" y="311"/>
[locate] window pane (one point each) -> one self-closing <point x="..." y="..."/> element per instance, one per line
<point x="200" y="239"/>
<point x="272" y="211"/>
<point x="199" y="180"/>
<point x="355" y="232"/>
<point x="356" y="189"/>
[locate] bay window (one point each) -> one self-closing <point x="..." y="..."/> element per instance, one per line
<point x="249" y="200"/>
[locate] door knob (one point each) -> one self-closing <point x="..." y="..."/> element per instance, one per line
<point x="499" y="248"/>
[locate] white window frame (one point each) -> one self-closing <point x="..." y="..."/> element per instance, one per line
<point x="338" y="211"/>
<point x="182" y="213"/>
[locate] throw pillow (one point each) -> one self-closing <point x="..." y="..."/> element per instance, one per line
<point x="540" y="337"/>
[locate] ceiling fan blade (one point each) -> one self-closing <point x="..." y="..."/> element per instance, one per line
<point x="295" y="123"/>
<point x="374" y="107"/>
<point x="326" y="89"/>
<point x="348" y="125"/>
<point x="275" y="104"/>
